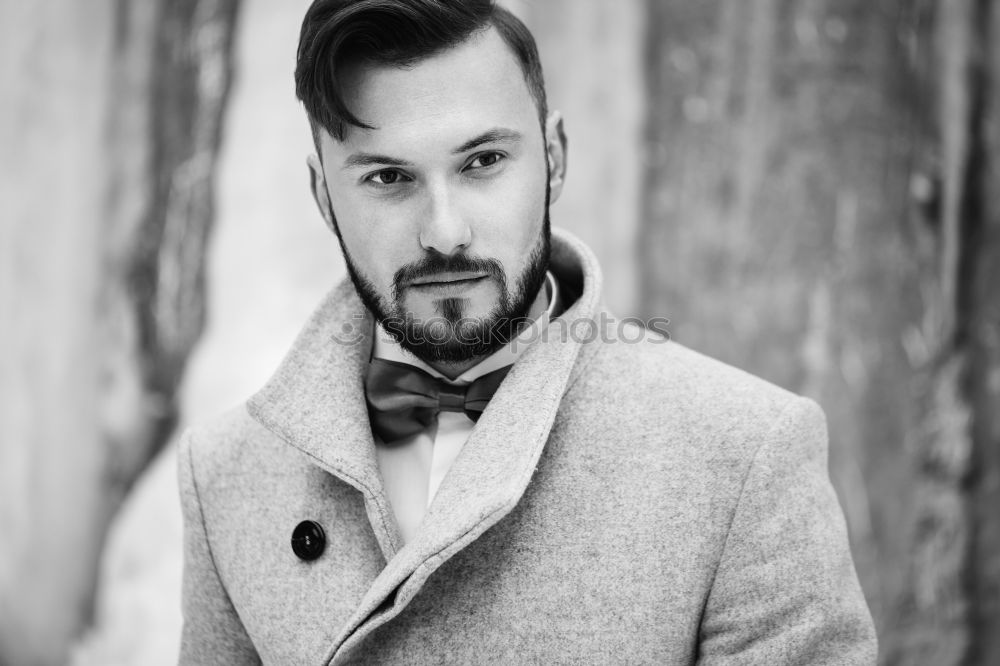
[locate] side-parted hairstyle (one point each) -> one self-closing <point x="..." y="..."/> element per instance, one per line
<point x="338" y="33"/>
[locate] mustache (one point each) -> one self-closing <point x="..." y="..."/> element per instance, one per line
<point x="434" y="264"/>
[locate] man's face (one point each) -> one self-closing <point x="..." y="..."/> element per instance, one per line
<point x="442" y="208"/>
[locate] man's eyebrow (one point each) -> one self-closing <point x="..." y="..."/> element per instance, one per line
<point x="370" y="159"/>
<point x="490" y="136"/>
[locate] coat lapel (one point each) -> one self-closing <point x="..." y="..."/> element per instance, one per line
<point x="315" y="402"/>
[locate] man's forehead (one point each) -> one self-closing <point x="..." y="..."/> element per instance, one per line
<point x="456" y="94"/>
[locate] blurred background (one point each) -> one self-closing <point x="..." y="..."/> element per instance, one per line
<point x="808" y="189"/>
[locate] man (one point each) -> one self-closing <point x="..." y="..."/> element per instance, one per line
<point x="459" y="461"/>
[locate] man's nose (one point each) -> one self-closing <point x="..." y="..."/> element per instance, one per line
<point x="445" y="228"/>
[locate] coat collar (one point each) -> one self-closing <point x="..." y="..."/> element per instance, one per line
<point x="315" y="402"/>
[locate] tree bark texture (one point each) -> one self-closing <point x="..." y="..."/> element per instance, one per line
<point x="982" y="318"/>
<point x="110" y="126"/>
<point x="818" y="210"/>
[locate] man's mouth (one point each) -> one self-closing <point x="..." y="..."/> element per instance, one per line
<point x="460" y="279"/>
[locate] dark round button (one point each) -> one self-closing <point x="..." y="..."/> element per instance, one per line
<point x="308" y="540"/>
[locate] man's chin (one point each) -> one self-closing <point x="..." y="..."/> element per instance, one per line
<point x="432" y="312"/>
<point x="452" y="333"/>
<point x="453" y="351"/>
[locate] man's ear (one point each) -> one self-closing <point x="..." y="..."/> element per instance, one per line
<point x="317" y="183"/>
<point x="555" y="148"/>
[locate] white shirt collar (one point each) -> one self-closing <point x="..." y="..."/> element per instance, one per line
<point x="386" y="347"/>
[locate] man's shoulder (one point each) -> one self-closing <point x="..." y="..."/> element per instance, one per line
<point x="658" y="389"/>
<point x="232" y="442"/>
<point x="659" y="366"/>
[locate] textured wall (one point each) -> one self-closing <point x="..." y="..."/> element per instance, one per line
<point x="110" y="123"/>
<point x="814" y="212"/>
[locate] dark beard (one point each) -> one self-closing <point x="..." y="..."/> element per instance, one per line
<point x="450" y="338"/>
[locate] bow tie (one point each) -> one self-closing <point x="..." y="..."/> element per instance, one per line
<point x="404" y="400"/>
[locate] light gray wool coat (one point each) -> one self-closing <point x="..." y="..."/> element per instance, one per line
<point x="617" y="503"/>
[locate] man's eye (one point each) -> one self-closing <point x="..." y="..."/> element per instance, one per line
<point x="485" y="160"/>
<point x="385" y="177"/>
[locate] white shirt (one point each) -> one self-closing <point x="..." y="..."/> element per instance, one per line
<point x="414" y="467"/>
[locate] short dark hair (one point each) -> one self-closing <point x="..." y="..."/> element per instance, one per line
<point x="336" y="33"/>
